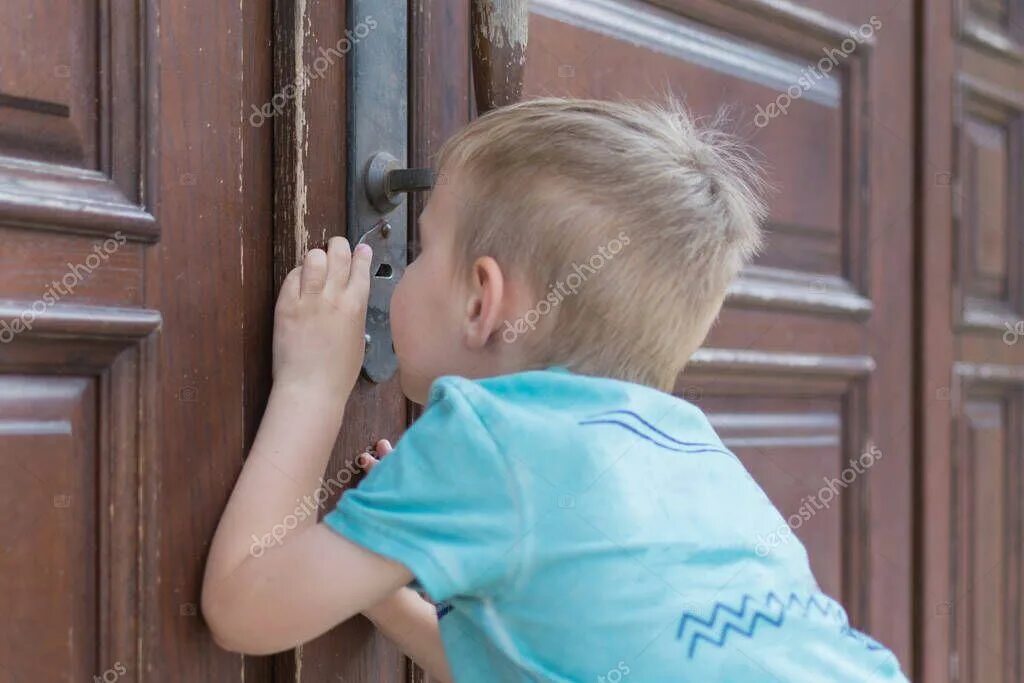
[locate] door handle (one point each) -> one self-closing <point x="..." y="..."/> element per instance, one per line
<point x="386" y="181"/>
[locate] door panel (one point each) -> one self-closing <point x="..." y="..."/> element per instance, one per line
<point x="76" y="214"/>
<point x="146" y="218"/>
<point x="133" y="357"/>
<point x="971" y="397"/>
<point x="807" y="374"/>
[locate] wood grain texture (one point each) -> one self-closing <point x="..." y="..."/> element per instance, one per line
<point x="210" y="279"/>
<point x="310" y="133"/>
<point x="970" y="365"/>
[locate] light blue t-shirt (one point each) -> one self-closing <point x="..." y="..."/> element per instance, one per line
<point x="576" y="528"/>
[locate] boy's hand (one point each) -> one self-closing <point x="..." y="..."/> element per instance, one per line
<point x="370" y="460"/>
<point x="320" y="320"/>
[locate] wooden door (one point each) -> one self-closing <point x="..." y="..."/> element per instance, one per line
<point x="309" y="120"/>
<point x="136" y="294"/>
<point x="810" y="367"/>
<point x="78" y="350"/>
<point x="158" y="176"/>
<point x="971" y="396"/>
<point x="807" y="376"/>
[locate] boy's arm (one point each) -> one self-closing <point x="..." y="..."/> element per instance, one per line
<point x="405" y="618"/>
<point x="411" y="623"/>
<point x="261" y="598"/>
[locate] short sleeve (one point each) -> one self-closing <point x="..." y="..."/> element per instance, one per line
<point x="444" y="502"/>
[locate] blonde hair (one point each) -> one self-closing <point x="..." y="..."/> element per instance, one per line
<point x="548" y="184"/>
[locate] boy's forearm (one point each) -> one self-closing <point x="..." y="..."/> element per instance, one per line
<point x="411" y="622"/>
<point x="280" y="475"/>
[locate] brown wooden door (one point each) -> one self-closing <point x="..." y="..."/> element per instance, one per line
<point x="971" y="396"/>
<point x="138" y="250"/>
<point x="135" y="309"/>
<point x="810" y="366"/>
<point x="78" y="333"/>
<point x="146" y="216"/>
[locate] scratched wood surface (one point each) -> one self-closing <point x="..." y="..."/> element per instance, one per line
<point x="310" y="44"/>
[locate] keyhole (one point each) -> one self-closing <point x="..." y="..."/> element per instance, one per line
<point x="383" y="271"/>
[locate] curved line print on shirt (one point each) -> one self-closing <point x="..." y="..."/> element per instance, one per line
<point x="715" y="630"/>
<point x="646" y="434"/>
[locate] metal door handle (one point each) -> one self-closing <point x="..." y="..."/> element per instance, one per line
<point x="386" y="181"/>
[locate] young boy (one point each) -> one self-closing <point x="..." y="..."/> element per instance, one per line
<point x="573" y="521"/>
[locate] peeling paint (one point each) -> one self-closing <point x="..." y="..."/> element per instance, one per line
<point x="504" y="22"/>
<point x="302" y="29"/>
<point x="241" y="162"/>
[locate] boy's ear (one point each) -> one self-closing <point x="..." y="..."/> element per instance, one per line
<point x="485" y="303"/>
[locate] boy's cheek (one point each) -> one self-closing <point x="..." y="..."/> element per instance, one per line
<point x="406" y="340"/>
<point x="399" y="314"/>
<point x="412" y="387"/>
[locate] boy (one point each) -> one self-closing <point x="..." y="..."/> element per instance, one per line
<point x="572" y="520"/>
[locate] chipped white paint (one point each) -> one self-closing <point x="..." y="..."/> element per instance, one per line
<point x="302" y="29"/>
<point x="241" y="172"/>
<point x="505" y="22"/>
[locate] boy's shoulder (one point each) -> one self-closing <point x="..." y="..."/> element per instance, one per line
<point x="554" y="391"/>
<point x="547" y="406"/>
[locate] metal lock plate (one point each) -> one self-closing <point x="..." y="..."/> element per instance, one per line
<point x="389" y="258"/>
<point x="378" y="122"/>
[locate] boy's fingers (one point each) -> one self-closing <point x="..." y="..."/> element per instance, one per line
<point x="314" y="272"/>
<point x="383" y="447"/>
<point x="366" y="461"/>
<point x="359" y="273"/>
<point x="290" y="286"/>
<point x="339" y="256"/>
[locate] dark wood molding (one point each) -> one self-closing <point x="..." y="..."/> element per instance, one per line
<point x="779" y="363"/>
